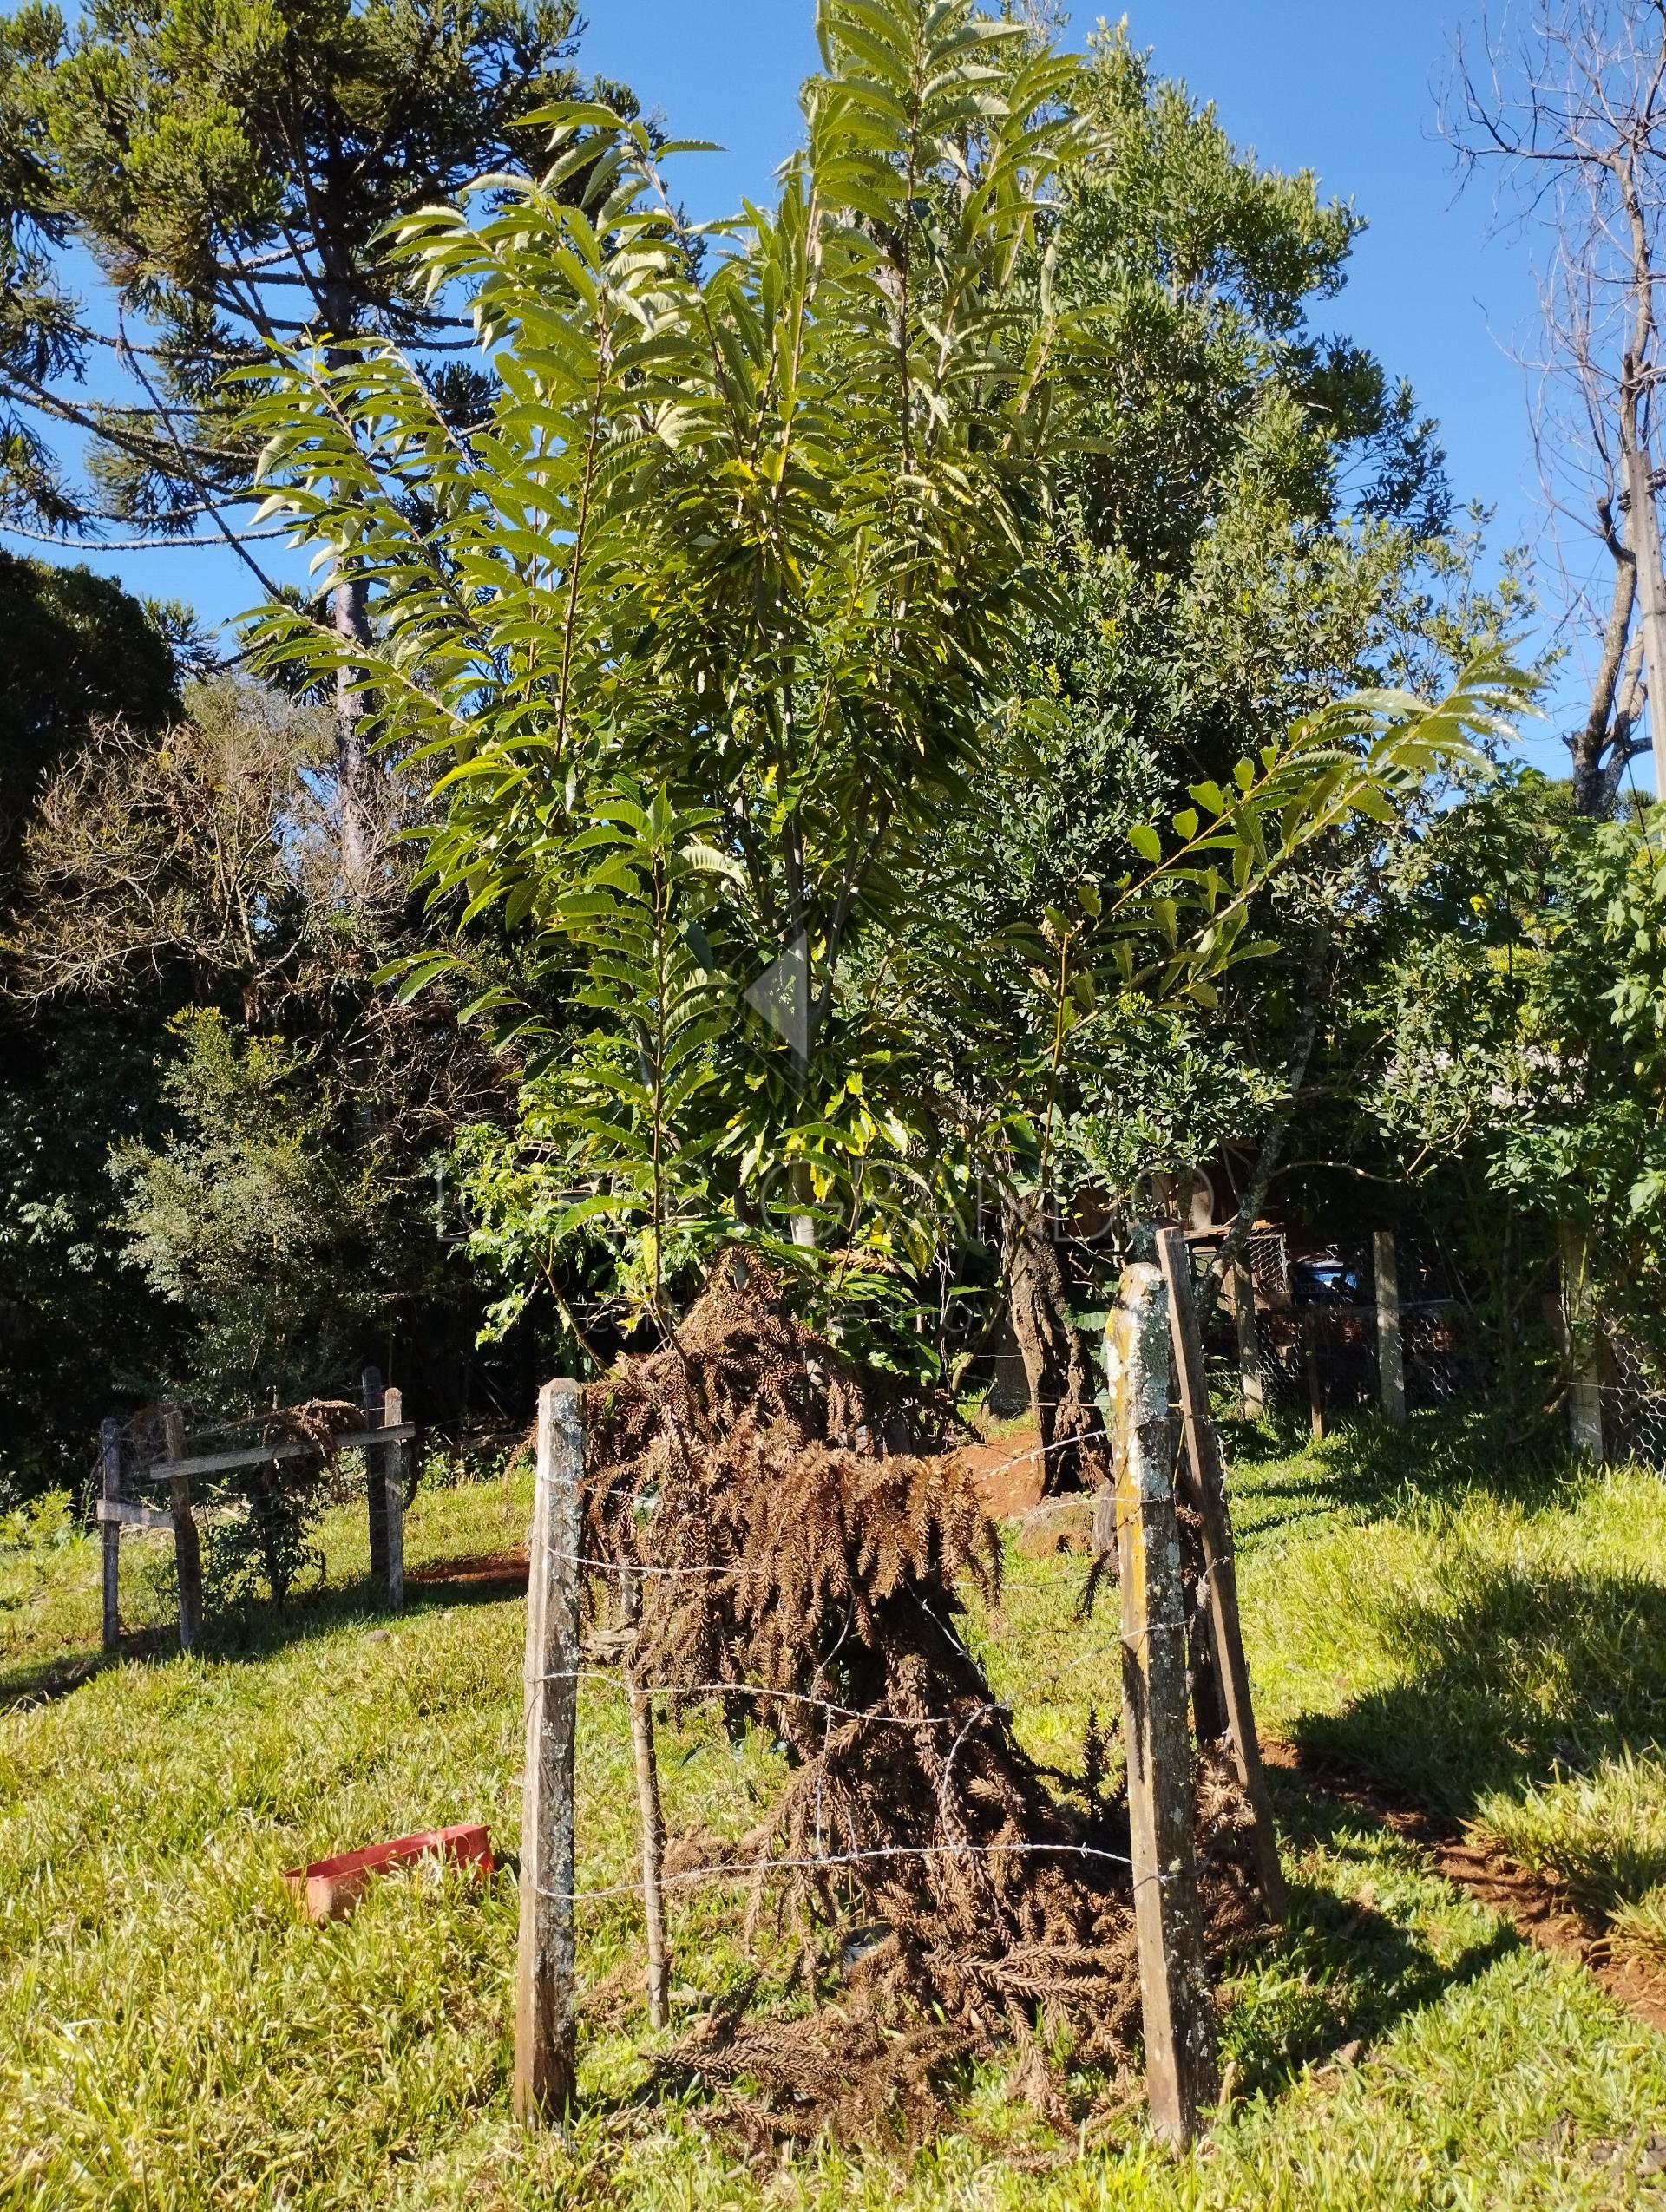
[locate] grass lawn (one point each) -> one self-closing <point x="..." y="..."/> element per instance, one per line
<point x="172" y="2036"/>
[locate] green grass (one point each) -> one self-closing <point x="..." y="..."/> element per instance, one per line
<point x="171" y="2035"/>
<point x="1495" y="1648"/>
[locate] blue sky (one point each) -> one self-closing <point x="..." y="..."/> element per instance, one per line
<point x="1347" y="89"/>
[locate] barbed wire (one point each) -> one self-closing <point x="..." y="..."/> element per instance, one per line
<point x="835" y="1709"/>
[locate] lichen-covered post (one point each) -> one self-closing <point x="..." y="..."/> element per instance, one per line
<point x="394" y="1459"/>
<point x="1176" y="2012"/>
<point x="546" y="2026"/>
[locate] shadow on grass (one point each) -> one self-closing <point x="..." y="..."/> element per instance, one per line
<point x="256" y="1632"/>
<point x="1369" y="1469"/>
<point x="260" y="1631"/>
<point x="1514" y="1678"/>
<point x="1341" y="1974"/>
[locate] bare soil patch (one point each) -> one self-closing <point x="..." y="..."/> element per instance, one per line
<point x="1009" y="1471"/>
<point x="492" y="1574"/>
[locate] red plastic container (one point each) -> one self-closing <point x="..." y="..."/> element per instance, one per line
<point x="330" y="1889"/>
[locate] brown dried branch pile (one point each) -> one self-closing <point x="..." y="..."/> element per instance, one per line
<point x="777" y="1553"/>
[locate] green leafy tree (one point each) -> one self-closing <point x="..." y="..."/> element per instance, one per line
<point x="1491" y="1073"/>
<point x="767" y="538"/>
<point x="760" y="535"/>
<point x="229" y="165"/>
<point x="1257" y="521"/>
<point x="79" y="650"/>
<point x="80" y="653"/>
<point x="254" y="1216"/>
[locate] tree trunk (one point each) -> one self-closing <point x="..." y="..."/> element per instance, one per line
<point x="1272" y="1145"/>
<point x="1644" y="533"/>
<point x="1068" y="1418"/>
<point x="357" y="773"/>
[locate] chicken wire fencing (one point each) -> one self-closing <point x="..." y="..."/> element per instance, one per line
<point x="1633" y="1400"/>
<point x="1315" y="1347"/>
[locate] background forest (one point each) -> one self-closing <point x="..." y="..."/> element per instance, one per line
<point x="821" y="731"/>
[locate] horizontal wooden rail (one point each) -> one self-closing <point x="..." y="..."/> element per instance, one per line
<point x="121" y="1514"/>
<point x="224" y="1463"/>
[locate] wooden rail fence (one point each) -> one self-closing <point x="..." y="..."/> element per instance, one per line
<point x="387" y="1440"/>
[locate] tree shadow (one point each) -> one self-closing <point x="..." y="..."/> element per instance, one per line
<point x="258" y="1631"/>
<point x="1518" y="1676"/>
<point x="1370" y="1469"/>
<point x="1339" y="1974"/>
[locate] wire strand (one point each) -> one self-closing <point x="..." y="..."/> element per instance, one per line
<point x="761" y="1870"/>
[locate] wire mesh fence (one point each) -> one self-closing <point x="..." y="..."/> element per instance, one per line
<point x="1634" y="1403"/>
<point x="764" y="1566"/>
<point x="1315" y="1346"/>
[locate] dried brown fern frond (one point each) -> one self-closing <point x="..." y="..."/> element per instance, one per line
<point x="322" y="1423"/>
<point x="813" y="1587"/>
<point x="847" y="2069"/>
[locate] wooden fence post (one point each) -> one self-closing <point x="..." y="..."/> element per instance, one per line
<point x="188" y="1556"/>
<point x="1391" y="1358"/>
<point x="1208" y="1712"/>
<point x="109" y="1471"/>
<point x="375" y="1492"/>
<point x="1208" y="1499"/>
<point x="1175" y="2009"/>
<point x="395" y="1460"/>
<point x="1308" y="1320"/>
<point x="545" y="2007"/>
<point x="1243" y="1314"/>
<point x="1578" y="1322"/>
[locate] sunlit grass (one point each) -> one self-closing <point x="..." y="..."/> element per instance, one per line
<point x="1493" y="1646"/>
<point x="171" y="2035"/>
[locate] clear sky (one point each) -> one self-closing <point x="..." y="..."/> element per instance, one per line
<point x="1345" y="86"/>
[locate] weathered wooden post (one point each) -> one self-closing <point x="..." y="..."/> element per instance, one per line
<point x="1578" y="1322"/>
<point x="1391" y="1358"/>
<point x="545" y="2049"/>
<point x="1208" y="1712"/>
<point x="1207" y="1496"/>
<point x="1310" y="1326"/>
<point x="1175" y="2009"/>
<point x="1243" y="1314"/>
<point x="186" y="1553"/>
<point x="395" y="1460"/>
<point x="375" y="1492"/>
<point x="109" y="1474"/>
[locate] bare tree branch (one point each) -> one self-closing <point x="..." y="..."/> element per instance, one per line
<point x="1566" y="100"/>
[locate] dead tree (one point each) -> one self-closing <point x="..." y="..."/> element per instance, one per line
<point x="1567" y="99"/>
